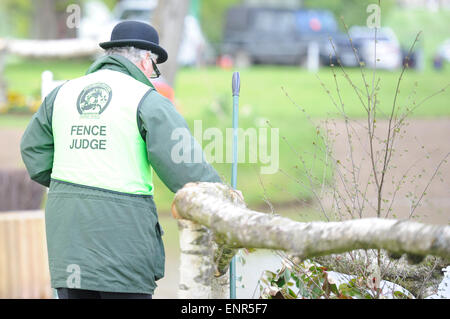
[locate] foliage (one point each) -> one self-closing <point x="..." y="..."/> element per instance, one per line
<point x="419" y="279"/>
<point x="17" y="103"/>
<point x="212" y="18"/>
<point x="308" y="280"/>
<point x="109" y="3"/>
<point x="17" y="15"/>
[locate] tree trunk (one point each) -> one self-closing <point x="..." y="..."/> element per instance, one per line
<point x="168" y="19"/>
<point x="203" y="264"/>
<point x="196" y="261"/>
<point x="45" y="19"/>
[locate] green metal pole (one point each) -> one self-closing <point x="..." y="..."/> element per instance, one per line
<point x="194" y="8"/>
<point x="236" y="85"/>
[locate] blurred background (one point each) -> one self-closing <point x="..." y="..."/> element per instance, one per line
<point x="286" y="52"/>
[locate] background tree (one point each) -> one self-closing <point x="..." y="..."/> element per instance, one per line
<point x="45" y="19"/>
<point x="50" y="19"/>
<point x="39" y="19"/>
<point x="212" y="18"/>
<point x="16" y="18"/>
<point x="169" y="21"/>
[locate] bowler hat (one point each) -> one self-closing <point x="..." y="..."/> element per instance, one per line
<point x="136" y="34"/>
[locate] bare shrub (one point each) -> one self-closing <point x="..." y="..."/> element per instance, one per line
<point x="360" y="187"/>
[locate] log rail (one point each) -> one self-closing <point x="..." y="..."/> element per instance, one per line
<point x="214" y="222"/>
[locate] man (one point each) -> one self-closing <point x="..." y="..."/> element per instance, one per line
<point x="94" y="141"/>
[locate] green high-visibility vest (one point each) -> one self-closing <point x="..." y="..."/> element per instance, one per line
<point x="96" y="137"/>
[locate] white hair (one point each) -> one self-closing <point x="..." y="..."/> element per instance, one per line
<point x="133" y="54"/>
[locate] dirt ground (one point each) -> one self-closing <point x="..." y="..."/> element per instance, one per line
<point x="10" y="148"/>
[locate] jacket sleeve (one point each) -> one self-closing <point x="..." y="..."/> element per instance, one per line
<point x="36" y="146"/>
<point x="169" y="143"/>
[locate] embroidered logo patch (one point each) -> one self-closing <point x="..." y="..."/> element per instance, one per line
<point x="93" y="100"/>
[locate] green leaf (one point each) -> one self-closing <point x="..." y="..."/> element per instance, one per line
<point x="292" y="293"/>
<point x="316" y="292"/>
<point x="280" y="282"/>
<point x="400" y="295"/>
<point x="269" y="275"/>
<point x="334" y="289"/>
<point x="287" y="275"/>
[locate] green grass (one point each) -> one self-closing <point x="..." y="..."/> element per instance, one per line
<point x="25" y="76"/>
<point x="206" y="94"/>
<point x="262" y="87"/>
<point x="14" y="121"/>
<point x="170" y="237"/>
<point x="263" y="91"/>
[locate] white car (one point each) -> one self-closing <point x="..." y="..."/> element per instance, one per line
<point x="388" y="51"/>
<point x="98" y="22"/>
<point x="444" y="50"/>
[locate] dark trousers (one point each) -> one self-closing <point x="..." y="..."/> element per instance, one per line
<point x="68" y="293"/>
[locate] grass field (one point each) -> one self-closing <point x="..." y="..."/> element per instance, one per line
<point x="277" y="94"/>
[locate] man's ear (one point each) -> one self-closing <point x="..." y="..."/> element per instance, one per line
<point x="142" y="64"/>
<point x="147" y="64"/>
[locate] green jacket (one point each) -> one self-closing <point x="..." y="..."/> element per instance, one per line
<point x="114" y="239"/>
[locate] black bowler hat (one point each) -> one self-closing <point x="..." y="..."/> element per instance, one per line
<point x="136" y="34"/>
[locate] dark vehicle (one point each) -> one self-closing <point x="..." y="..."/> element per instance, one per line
<point x="282" y="36"/>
